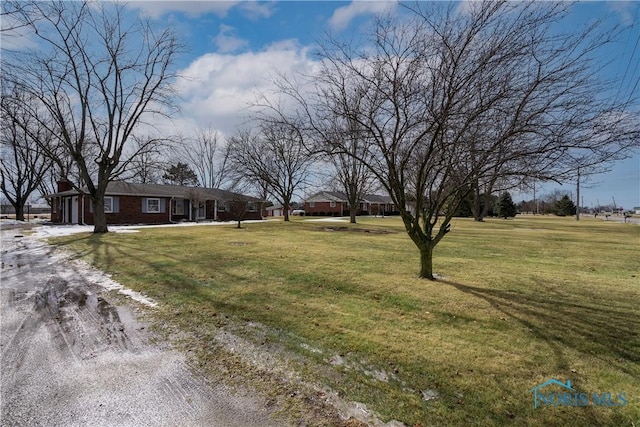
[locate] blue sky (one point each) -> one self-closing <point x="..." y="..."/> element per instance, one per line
<point x="235" y="47"/>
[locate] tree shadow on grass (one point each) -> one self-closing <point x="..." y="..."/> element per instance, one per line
<point x="585" y="322"/>
<point x="174" y="284"/>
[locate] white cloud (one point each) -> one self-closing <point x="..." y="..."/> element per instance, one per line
<point x="253" y="10"/>
<point x="218" y="88"/>
<point x="193" y="9"/>
<point x="343" y="16"/>
<point x="467" y="7"/>
<point x="226" y="41"/>
<point x="626" y="10"/>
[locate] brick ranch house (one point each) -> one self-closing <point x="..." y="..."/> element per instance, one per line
<point x="336" y="203"/>
<point x="131" y="203"/>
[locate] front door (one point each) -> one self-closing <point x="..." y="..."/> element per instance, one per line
<point x="74" y="210"/>
<point x="66" y="210"/>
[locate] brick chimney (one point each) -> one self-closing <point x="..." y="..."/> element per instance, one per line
<point x="64" y="185"/>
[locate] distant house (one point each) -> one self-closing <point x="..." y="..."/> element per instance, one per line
<point x="380" y="205"/>
<point x="132" y="203"/>
<point x="336" y="203"/>
<point x="278" y="210"/>
<point x="636" y="210"/>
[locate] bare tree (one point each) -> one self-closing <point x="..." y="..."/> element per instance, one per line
<point x="10" y="26"/>
<point x="100" y="76"/>
<point x="347" y="148"/>
<point x="275" y="156"/>
<point x="147" y="166"/>
<point x="23" y="164"/>
<point x="209" y="158"/>
<point x="49" y="183"/>
<point x="238" y="206"/>
<point x="353" y="175"/>
<point x="454" y="95"/>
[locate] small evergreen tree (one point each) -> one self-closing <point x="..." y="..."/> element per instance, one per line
<point x="565" y="207"/>
<point x="180" y="174"/>
<point x="506" y="207"/>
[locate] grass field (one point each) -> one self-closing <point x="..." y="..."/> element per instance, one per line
<point x="519" y="302"/>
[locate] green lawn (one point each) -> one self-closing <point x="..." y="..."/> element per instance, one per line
<point x="519" y="302"/>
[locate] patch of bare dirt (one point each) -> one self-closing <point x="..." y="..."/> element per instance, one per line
<point x="357" y="230"/>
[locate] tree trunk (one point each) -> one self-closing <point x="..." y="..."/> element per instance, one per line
<point x="239" y="223"/>
<point x="19" y="208"/>
<point x="476" y="206"/>
<point x="485" y="205"/>
<point x="426" y="261"/>
<point x="353" y="207"/>
<point x="99" y="217"/>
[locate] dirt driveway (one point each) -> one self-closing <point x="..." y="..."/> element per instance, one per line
<point x="72" y="357"/>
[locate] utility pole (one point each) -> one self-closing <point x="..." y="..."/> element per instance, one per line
<point x="578" y="197"/>
<point x="534" y="197"/>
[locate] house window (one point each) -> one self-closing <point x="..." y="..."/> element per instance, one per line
<point x="312" y="204"/>
<point x="178" y="207"/>
<point x="332" y="204"/>
<point x="153" y="205"/>
<point x="108" y="205"/>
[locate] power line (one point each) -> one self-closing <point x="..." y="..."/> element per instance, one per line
<point x="624" y="76"/>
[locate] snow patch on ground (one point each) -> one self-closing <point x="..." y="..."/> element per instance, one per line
<point x="67" y="230"/>
<point x="334" y="219"/>
<point x="72" y="267"/>
<point x="85" y="270"/>
<point x="104" y="280"/>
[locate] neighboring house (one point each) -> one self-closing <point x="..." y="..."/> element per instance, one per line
<point x="380" y="205"/>
<point x="637" y="210"/>
<point x="278" y="210"/>
<point x="274" y="211"/>
<point x="131" y="203"/>
<point x="336" y="203"/>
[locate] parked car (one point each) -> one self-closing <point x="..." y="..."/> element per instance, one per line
<point x="298" y="212"/>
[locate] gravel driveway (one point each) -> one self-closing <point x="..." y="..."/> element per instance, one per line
<point x="72" y="357"/>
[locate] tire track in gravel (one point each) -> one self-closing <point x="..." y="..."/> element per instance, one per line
<point x="70" y="357"/>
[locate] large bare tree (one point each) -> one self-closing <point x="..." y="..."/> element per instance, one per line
<point x="456" y="94"/>
<point x="23" y="163"/>
<point x="207" y="155"/>
<point x="275" y="157"/>
<point x="149" y="163"/>
<point x="100" y="75"/>
<point x="352" y="175"/>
